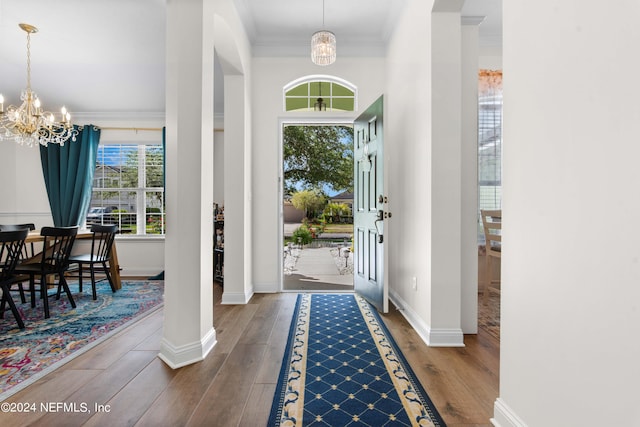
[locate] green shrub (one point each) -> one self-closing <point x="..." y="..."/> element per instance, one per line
<point x="302" y="235"/>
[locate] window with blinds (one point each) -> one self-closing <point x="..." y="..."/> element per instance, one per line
<point x="489" y="143"/>
<point x="128" y="189"/>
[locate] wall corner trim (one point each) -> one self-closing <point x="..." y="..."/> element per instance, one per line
<point x="178" y="356"/>
<point x="444" y="337"/>
<point x="236" y="297"/>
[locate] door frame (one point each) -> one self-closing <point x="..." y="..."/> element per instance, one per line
<point x="304" y="118"/>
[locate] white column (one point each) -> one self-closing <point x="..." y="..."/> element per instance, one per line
<point x="237" y="190"/>
<point x="446" y="180"/>
<point x="469" y="220"/>
<point x="188" y="333"/>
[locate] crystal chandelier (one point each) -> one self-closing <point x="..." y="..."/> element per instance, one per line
<point x="323" y="45"/>
<point x="28" y="123"/>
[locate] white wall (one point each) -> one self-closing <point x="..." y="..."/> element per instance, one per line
<point x="408" y="130"/>
<point x="425" y="171"/>
<point x="269" y="77"/>
<point x="490" y="58"/>
<point x="570" y="269"/>
<point x="23" y="196"/>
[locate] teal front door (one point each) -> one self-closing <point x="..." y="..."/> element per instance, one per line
<point x="369" y="208"/>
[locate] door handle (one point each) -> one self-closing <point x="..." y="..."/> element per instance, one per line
<point x="380" y="237"/>
<point x="380" y="216"/>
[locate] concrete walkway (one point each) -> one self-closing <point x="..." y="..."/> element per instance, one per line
<point x="316" y="269"/>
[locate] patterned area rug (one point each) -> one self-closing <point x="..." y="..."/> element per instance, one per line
<point x="46" y="344"/>
<point x="489" y="314"/>
<point x="342" y="367"/>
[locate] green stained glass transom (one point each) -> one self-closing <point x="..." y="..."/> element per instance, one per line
<point x="304" y="96"/>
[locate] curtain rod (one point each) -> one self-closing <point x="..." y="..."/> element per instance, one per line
<point x="148" y="129"/>
<point x="133" y="129"/>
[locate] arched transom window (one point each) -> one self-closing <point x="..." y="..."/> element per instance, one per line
<point x="304" y="94"/>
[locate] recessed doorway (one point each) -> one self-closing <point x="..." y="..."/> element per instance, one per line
<point x="317" y="202"/>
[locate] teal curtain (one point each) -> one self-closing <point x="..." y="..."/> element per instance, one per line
<point x="68" y="175"/>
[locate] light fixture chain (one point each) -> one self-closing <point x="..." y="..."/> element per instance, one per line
<point x="323" y="14"/>
<point x="28" y="61"/>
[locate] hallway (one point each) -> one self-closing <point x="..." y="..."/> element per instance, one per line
<point x="234" y="385"/>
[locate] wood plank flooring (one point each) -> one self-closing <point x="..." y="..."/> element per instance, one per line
<point x="234" y="385"/>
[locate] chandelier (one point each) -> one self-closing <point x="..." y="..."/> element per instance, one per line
<point x="323" y="45"/>
<point x="29" y="124"/>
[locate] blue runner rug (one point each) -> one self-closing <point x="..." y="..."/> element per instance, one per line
<point x="341" y="367"/>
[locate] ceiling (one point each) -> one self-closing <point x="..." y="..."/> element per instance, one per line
<point x="362" y="27"/>
<point x="108" y="57"/>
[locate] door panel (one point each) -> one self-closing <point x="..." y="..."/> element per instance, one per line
<point x="368" y="215"/>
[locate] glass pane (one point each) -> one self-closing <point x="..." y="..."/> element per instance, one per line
<point x="342" y="104"/>
<point x="125" y="216"/>
<point x="129" y="166"/>
<point x="107" y="174"/>
<point x="294" y="104"/>
<point x="302" y="90"/>
<point x="153" y="166"/>
<point x="155" y="216"/>
<point x="339" y="90"/>
<point x="112" y="207"/>
<point x="320" y="88"/>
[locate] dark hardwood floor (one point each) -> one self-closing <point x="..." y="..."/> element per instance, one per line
<point x="122" y="382"/>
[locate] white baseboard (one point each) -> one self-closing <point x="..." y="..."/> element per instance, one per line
<point x="443" y="337"/>
<point x="130" y="272"/>
<point x="177" y="357"/>
<point x="503" y="416"/>
<point x="235" y="297"/>
<point x="265" y="288"/>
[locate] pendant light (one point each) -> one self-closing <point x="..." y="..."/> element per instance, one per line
<point x="323" y="45"/>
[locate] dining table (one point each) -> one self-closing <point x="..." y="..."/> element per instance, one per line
<point x="114" y="267"/>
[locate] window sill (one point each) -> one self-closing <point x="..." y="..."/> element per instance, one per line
<point x="140" y="238"/>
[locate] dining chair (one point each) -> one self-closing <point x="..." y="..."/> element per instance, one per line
<point x="492" y="225"/>
<point x="98" y="257"/>
<point x="11" y="246"/>
<point x="52" y="261"/>
<point x="28" y="251"/>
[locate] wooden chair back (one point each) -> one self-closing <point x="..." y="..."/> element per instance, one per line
<point x="11" y="245"/>
<point x="29" y="249"/>
<point x="102" y="241"/>
<point x="58" y="242"/>
<point x="492" y="226"/>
